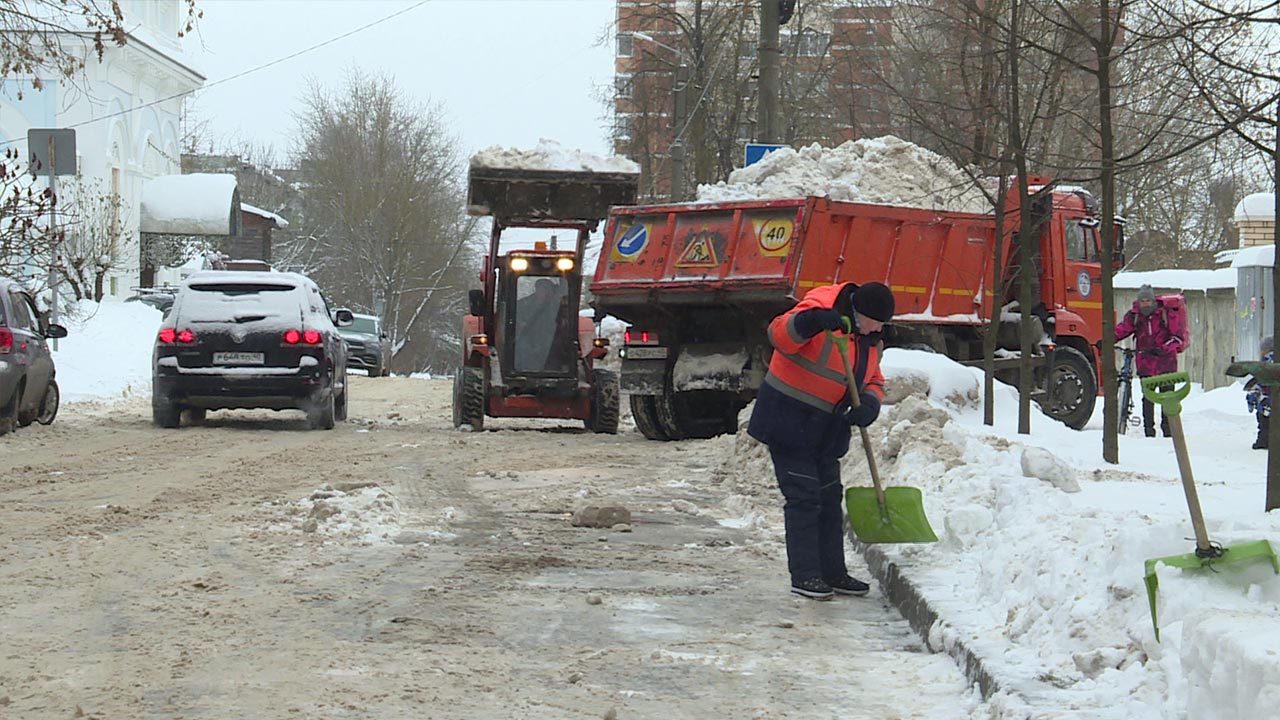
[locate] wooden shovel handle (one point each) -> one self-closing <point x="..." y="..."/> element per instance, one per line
<point x="842" y="347"/>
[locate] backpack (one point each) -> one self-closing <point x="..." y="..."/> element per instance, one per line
<point x="1175" y="316"/>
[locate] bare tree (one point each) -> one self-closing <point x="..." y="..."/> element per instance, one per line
<point x="383" y="204"/>
<point x="24" y="209"/>
<point x="91" y="225"/>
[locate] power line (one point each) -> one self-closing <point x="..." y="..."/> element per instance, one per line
<point x="238" y="75"/>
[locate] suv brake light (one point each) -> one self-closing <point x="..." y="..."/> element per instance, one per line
<point x="169" y="336"/>
<point x="6" y="340"/>
<point x="305" y="337"/>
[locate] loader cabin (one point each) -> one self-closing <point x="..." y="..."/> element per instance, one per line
<point x="536" y="311"/>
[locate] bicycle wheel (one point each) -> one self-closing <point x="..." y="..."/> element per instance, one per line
<point x="1126" y="406"/>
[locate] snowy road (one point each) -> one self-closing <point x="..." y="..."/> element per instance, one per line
<point x="210" y="573"/>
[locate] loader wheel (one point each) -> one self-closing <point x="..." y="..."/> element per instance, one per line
<point x="605" y="402"/>
<point x="468" y="397"/>
<point x="645" y="414"/>
<point x="1072" y="389"/>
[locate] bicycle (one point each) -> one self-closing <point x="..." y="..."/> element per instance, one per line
<point x="1125" y="380"/>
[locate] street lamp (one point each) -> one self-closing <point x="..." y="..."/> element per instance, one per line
<point x="676" y="149"/>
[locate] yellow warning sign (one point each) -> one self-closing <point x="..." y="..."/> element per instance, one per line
<point x="698" y="253"/>
<point x="774" y="236"/>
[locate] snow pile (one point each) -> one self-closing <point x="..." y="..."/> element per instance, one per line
<point x="550" y="155"/>
<point x="365" y="514"/>
<point x="885" y="170"/>
<point x="107" y="350"/>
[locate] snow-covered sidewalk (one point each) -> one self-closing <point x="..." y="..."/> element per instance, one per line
<point x="1039" y="569"/>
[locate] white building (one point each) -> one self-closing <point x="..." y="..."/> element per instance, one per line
<point x="125" y="111"/>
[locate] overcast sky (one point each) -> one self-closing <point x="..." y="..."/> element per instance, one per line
<point x="507" y="72"/>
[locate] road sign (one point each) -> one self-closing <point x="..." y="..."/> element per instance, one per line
<point x="62" y="142"/>
<point x="755" y="151"/>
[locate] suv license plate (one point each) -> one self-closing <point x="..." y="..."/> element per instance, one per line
<point x="237" y="358"/>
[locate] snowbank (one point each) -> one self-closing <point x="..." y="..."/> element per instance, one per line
<point x="107" y="351"/>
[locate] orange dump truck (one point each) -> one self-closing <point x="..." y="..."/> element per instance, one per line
<point x="699" y="283"/>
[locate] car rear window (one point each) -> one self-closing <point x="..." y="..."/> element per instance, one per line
<point x="242" y="288"/>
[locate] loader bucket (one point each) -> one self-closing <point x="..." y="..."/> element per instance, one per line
<point x="513" y="195"/>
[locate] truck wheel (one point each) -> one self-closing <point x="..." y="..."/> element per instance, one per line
<point x="696" y="414"/>
<point x="646" y="417"/>
<point x="1072" y="389"/>
<point x="668" y="414"/>
<point x="468" y="397"/>
<point x="605" y="402"/>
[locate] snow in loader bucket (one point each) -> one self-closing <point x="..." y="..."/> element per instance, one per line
<point x="518" y="194"/>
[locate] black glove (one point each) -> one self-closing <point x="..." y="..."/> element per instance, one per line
<point x="1156" y="352"/>
<point x="813" y="321"/>
<point x="866" y="412"/>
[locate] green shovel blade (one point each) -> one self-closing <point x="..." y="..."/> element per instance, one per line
<point x="901" y="520"/>
<point x="1191" y="561"/>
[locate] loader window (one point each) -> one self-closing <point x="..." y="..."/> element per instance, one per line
<point x="542" y="312"/>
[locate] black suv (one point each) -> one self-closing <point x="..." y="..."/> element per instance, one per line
<point x="28" y="390"/>
<point x="250" y="340"/>
<point x="367" y="345"/>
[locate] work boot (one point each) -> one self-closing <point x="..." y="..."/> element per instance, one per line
<point x="849" y="586"/>
<point x="1260" y="444"/>
<point x="813" y="588"/>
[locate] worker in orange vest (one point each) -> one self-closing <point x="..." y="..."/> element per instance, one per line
<point x="803" y="414"/>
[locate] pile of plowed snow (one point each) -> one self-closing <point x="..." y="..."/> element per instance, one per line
<point x="885" y="170"/>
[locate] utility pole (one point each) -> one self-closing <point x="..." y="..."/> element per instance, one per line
<point x="768" y="54"/>
<point x="677" y="142"/>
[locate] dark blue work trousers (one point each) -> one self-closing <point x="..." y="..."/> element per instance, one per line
<point x="813" y="514"/>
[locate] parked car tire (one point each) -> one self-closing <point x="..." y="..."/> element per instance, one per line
<point x="26" y="417"/>
<point x="197" y="415"/>
<point x="9" y="414"/>
<point x="49" y="405"/>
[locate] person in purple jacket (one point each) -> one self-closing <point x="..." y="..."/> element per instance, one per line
<point x="1157" y="345"/>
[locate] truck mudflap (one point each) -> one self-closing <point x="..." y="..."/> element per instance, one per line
<point x="514" y="195"/>
<point x="709" y="367"/>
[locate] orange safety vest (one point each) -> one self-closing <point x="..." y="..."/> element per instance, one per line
<point x="809" y="369"/>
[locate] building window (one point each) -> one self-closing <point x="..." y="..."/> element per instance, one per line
<point x="623" y="84"/>
<point x="623" y="126"/>
<point x="624" y="44"/>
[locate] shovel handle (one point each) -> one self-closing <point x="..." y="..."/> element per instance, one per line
<point x="1170" y="400"/>
<point x="842" y="347"/>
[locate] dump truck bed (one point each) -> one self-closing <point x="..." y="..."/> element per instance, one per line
<point x="774" y="251"/>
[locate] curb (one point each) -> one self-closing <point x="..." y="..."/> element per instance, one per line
<point x="908" y="600"/>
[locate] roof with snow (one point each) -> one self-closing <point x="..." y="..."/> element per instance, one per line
<point x="1181" y="279"/>
<point x="1258" y="255"/>
<point x="1258" y="206"/>
<point x="195" y="204"/>
<point x="279" y="221"/>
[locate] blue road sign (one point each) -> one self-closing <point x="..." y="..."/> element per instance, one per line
<point x="755" y="151"/>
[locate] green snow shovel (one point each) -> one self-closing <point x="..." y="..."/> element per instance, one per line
<point x="1168" y="390"/>
<point x="880" y="515"/>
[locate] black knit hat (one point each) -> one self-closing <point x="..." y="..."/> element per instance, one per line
<point x="874" y="300"/>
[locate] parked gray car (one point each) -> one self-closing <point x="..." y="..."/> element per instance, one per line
<point x="367" y="345"/>
<point x="28" y="388"/>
